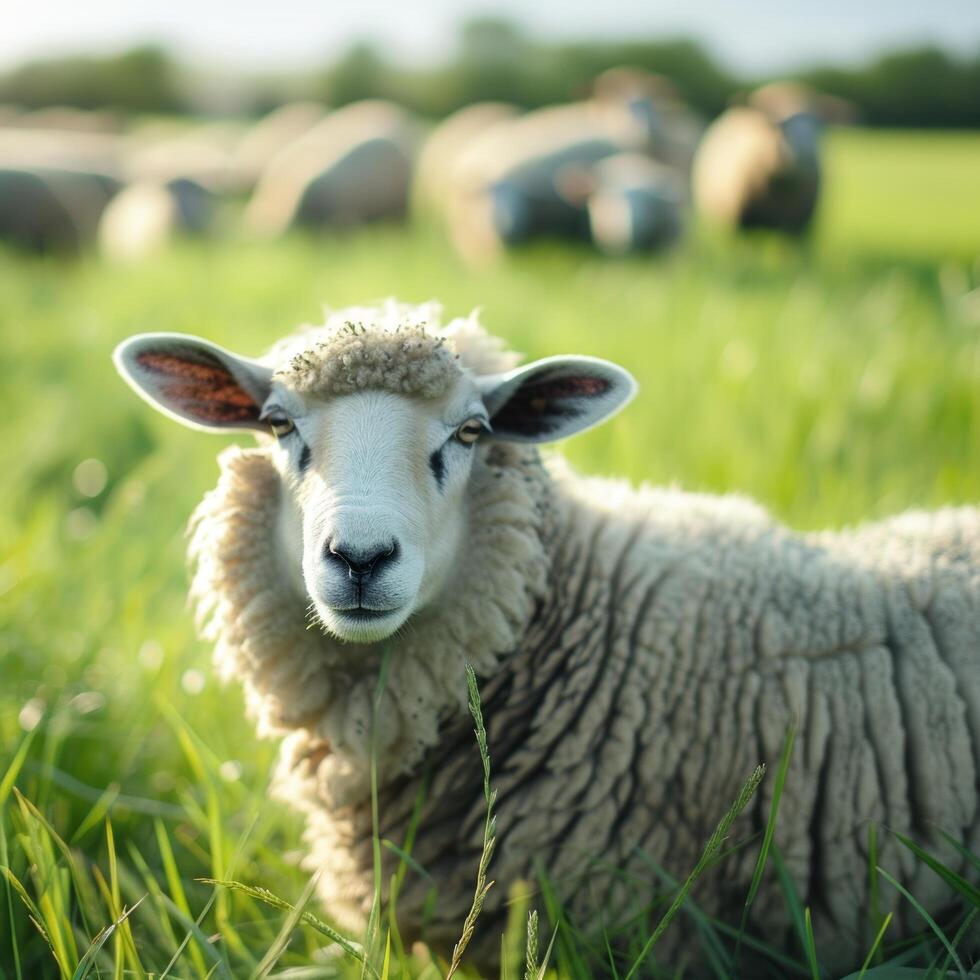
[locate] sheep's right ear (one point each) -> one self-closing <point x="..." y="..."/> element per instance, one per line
<point x="197" y="383"/>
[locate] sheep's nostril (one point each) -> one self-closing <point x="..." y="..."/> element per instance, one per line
<point x="361" y="564"/>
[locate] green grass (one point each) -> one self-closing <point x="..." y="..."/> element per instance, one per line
<point x="834" y="382"/>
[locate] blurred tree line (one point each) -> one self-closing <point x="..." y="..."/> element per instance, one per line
<point x="495" y="60"/>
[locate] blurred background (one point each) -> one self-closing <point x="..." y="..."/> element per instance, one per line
<point x="768" y="212"/>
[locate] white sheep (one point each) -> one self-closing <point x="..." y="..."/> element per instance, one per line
<point x="444" y="145"/>
<point x="353" y="167"/>
<point x="758" y="165"/>
<point x="519" y="179"/>
<point x="640" y="650"/>
<point x="145" y="216"/>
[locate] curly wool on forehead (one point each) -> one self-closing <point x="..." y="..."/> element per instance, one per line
<point x="393" y="347"/>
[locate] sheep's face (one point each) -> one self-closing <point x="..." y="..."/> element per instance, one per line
<point x="375" y="508"/>
<point x="373" y="513"/>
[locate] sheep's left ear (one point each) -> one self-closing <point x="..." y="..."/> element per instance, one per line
<point x="555" y="398"/>
<point x="195" y="382"/>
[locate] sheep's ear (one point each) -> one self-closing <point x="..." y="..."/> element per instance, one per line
<point x="555" y="398"/>
<point x="197" y="383"/>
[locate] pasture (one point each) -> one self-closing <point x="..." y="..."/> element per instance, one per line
<point x="835" y="382"/>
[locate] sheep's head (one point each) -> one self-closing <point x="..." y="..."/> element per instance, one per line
<point x="375" y="433"/>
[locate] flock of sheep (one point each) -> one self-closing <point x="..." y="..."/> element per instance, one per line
<point x="620" y="169"/>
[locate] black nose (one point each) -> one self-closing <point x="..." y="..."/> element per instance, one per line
<point x="362" y="564"/>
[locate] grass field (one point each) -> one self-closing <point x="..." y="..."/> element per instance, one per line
<point x="835" y="382"/>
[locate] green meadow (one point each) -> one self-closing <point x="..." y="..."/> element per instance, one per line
<point x="834" y="381"/>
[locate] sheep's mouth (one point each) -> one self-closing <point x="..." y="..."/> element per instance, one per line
<point x="361" y="614"/>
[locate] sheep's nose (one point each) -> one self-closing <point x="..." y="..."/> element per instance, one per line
<point x="361" y="563"/>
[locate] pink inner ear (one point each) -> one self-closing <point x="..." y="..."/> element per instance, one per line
<point x="208" y="392"/>
<point x="587" y="385"/>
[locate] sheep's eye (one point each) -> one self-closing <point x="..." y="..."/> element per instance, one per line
<point x="469" y="431"/>
<point x="281" y="425"/>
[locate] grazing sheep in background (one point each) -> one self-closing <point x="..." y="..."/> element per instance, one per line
<point x="510" y="184"/>
<point x="758" y="165"/>
<point x="444" y="145"/>
<point x="260" y="145"/>
<point x="352" y="168"/>
<point x="69" y="119"/>
<point x="640" y="650"/>
<point x="205" y="154"/>
<point x="674" y="129"/>
<point x="60" y="150"/>
<point x="635" y="204"/>
<point x="145" y="216"/>
<point x="47" y="209"/>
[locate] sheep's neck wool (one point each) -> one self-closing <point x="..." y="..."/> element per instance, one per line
<point x="301" y="681"/>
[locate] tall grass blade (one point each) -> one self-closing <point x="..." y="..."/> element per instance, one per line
<point x="930" y="921"/>
<point x="193" y="927"/>
<point x="87" y="962"/>
<point x="760" y="865"/>
<point x="5" y="865"/>
<point x="957" y="882"/>
<point x="307" y="918"/>
<point x="177" y="896"/>
<point x="874" y="946"/>
<point x="35" y="915"/>
<point x="489" y="829"/>
<point x="789" y="891"/>
<point x="278" y="946"/>
<point x="958" y="938"/>
<point x="372" y="935"/>
<point x="714" y="843"/>
<point x="13" y="770"/>
<point x="99" y="810"/>
<point x="82" y="887"/>
<point x="811" y="946"/>
<point x="543" y="969"/>
<point x="972" y="858"/>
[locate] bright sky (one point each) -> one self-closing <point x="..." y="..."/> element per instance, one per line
<point x="750" y="35"/>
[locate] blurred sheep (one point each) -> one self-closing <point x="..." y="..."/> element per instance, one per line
<point x="69" y="120"/>
<point x="758" y="165"/>
<point x="47" y="209"/>
<point x="352" y="168"/>
<point x="444" y="145"/>
<point x="204" y="154"/>
<point x="260" y="144"/>
<point x="146" y="215"/>
<point x="31" y="148"/>
<point x="509" y="184"/>
<point x="635" y="204"/>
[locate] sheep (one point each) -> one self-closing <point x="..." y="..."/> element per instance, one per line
<point x="353" y="167"/>
<point x="758" y="165"/>
<point x="508" y="184"/>
<point x="48" y="209"/>
<point x="146" y="215"/>
<point x="259" y="146"/>
<point x="635" y="204"/>
<point x="443" y="146"/>
<point x="165" y="151"/>
<point x="640" y="650"/>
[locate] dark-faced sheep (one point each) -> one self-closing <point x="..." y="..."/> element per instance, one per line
<point x="640" y="650"/>
<point x="517" y="180"/>
<point x="758" y="165"/>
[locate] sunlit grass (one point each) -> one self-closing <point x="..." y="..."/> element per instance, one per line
<point x="835" y="382"/>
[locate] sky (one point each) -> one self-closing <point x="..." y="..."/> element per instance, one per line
<point x="748" y="35"/>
